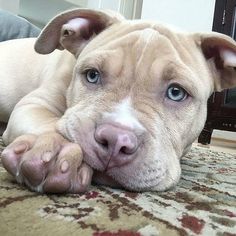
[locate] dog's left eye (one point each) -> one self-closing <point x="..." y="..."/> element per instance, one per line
<point x="176" y="93"/>
<point x="93" y="76"/>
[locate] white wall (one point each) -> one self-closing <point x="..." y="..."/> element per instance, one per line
<point x="190" y="15"/>
<point x="40" y="11"/>
<point x="10" y="5"/>
<point x="129" y="8"/>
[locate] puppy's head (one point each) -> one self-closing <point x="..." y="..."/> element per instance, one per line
<point x="139" y="92"/>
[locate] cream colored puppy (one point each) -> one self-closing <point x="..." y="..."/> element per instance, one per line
<point x="120" y="100"/>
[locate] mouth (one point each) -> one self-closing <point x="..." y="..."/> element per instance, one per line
<point x="129" y="177"/>
<point x="140" y="172"/>
<point x="102" y="178"/>
<point x="100" y="175"/>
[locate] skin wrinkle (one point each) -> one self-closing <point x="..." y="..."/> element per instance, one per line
<point x="49" y="103"/>
<point x="178" y="43"/>
<point x="119" y="35"/>
<point x="170" y="73"/>
<point x="145" y="48"/>
<point x="142" y="178"/>
<point x="142" y="114"/>
<point x="145" y="38"/>
<point x="182" y="58"/>
<point x="102" y="63"/>
<point x="74" y="116"/>
<point x="175" y="141"/>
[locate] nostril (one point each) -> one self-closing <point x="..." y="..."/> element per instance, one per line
<point x="104" y="143"/>
<point x="100" y="138"/>
<point x="101" y="141"/>
<point x="125" y="150"/>
<point x="127" y="143"/>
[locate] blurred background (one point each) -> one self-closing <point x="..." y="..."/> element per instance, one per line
<point x="189" y="15"/>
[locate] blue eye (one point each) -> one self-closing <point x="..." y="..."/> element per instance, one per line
<point x="93" y="76"/>
<point x="176" y="93"/>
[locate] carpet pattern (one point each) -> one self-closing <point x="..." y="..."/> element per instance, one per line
<point x="203" y="203"/>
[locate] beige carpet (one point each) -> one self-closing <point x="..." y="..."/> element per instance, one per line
<point x="203" y="203"/>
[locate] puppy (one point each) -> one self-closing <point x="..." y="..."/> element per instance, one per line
<point x="97" y="97"/>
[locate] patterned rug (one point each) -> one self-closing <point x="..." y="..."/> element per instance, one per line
<point x="203" y="203"/>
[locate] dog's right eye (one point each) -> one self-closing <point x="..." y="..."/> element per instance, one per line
<point x="93" y="76"/>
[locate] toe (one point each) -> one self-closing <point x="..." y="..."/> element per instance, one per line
<point x="34" y="167"/>
<point x="57" y="183"/>
<point x="68" y="175"/>
<point x="12" y="154"/>
<point x="58" y="179"/>
<point x="38" y="162"/>
<point x="83" y="179"/>
<point x="10" y="161"/>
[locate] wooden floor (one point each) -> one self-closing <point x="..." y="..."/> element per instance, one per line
<point x="220" y="145"/>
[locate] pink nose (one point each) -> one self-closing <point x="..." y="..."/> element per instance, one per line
<point x="117" y="146"/>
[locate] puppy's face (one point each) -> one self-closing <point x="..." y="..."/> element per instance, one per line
<point x="136" y="102"/>
<point x="138" y="96"/>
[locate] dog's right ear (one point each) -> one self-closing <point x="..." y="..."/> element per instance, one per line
<point x="73" y="29"/>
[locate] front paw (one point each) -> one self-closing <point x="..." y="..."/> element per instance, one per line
<point x="47" y="163"/>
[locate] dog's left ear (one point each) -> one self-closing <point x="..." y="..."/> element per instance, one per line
<point x="73" y="29"/>
<point x="220" y="53"/>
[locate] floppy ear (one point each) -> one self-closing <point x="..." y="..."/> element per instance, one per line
<point x="220" y="51"/>
<point x="73" y="29"/>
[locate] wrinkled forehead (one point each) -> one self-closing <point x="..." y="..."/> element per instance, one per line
<point x="148" y="50"/>
<point x="141" y="42"/>
<point x="135" y="38"/>
<point x="138" y="36"/>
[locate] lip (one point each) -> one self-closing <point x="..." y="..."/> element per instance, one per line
<point x="100" y="175"/>
<point x="102" y="160"/>
<point x="91" y="159"/>
<point x="104" y="179"/>
<point x="105" y="159"/>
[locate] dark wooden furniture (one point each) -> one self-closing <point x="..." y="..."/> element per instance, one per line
<point x="222" y="106"/>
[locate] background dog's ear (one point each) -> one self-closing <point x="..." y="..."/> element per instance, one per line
<point x="73" y="29"/>
<point x="220" y="52"/>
